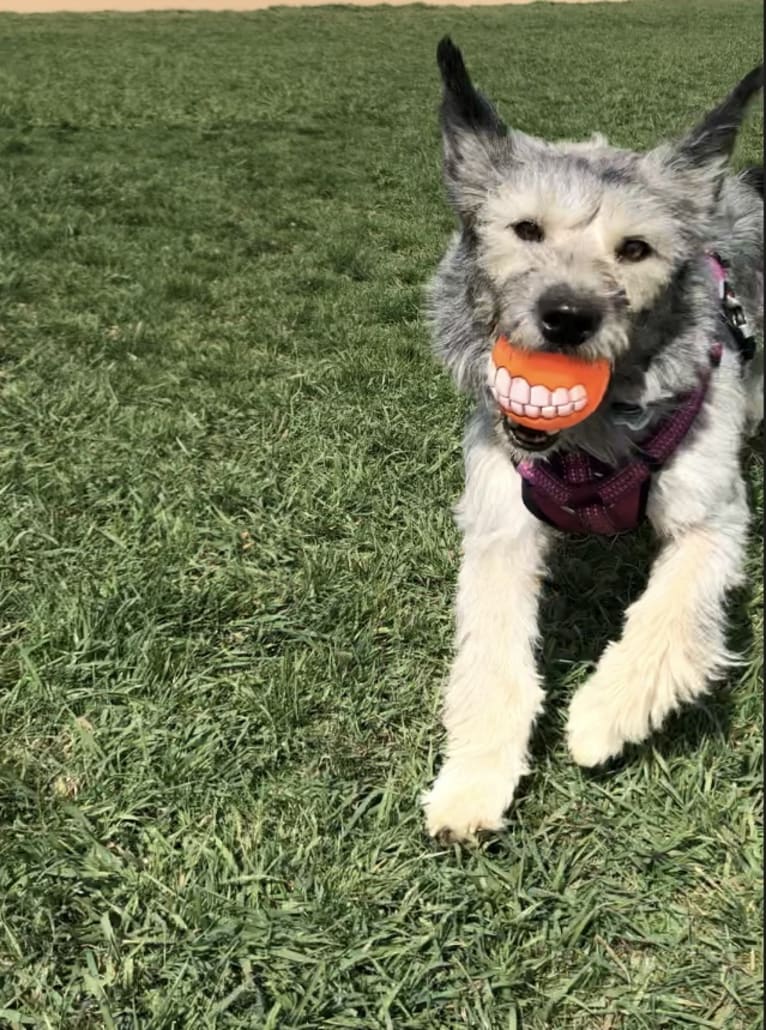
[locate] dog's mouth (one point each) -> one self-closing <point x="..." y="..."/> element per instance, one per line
<point x="528" y="439"/>
<point x="543" y="392"/>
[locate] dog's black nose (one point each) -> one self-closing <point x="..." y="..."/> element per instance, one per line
<point x="567" y="319"/>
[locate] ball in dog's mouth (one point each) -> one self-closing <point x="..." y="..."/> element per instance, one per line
<point x="540" y="393"/>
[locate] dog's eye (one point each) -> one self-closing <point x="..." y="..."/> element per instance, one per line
<point x="633" y="250"/>
<point x="528" y="231"/>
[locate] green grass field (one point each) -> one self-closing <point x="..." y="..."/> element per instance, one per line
<point x="228" y="558"/>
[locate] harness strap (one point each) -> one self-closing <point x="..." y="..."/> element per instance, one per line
<point x="732" y="313"/>
<point x="579" y="494"/>
<point x="670" y="434"/>
<point x="603" y="504"/>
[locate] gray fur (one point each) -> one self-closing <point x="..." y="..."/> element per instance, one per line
<point x="659" y="349"/>
<point x="660" y="318"/>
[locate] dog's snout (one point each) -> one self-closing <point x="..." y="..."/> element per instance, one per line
<point x="567" y="319"/>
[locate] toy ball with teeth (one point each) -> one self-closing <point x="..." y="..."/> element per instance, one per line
<point x="545" y="391"/>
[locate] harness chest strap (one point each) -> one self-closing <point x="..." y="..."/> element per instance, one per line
<point x="577" y="493"/>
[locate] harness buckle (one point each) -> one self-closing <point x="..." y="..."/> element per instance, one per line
<point x="734" y="317"/>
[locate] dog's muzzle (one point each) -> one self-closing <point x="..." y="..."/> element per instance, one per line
<point x="533" y="440"/>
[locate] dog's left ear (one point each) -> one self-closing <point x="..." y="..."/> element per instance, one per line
<point x="705" y="151"/>
<point x="714" y="138"/>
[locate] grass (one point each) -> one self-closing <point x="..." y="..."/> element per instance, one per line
<point x="227" y="558"/>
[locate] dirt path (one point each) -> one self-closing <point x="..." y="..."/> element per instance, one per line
<point x="49" y="6"/>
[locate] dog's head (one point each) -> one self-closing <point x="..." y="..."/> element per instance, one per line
<point x="568" y="247"/>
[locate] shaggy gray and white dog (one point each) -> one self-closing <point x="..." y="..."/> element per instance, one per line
<point x="586" y="247"/>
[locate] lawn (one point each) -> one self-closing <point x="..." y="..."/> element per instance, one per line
<point x="227" y="555"/>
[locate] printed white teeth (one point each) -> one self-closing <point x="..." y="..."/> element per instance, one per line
<point x="516" y="395"/>
<point x="520" y="391"/>
<point x="503" y="382"/>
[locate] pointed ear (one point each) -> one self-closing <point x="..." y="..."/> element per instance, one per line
<point x="702" y="156"/>
<point x="470" y="130"/>
<point x="714" y="138"/>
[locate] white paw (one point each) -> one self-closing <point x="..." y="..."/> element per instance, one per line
<point x="595" y="731"/>
<point x="615" y="706"/>
<point x="630" y="695"/>
<point x="471" y="796"/>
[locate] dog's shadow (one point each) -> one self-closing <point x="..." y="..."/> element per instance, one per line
<point x="591" y="583"/>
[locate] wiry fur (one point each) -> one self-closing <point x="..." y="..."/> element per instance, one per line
<point x="660" y="317"/>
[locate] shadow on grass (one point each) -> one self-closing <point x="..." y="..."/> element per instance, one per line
<point x="592" y="583"/>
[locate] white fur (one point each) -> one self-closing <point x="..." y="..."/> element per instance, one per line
<point x="672" y="646"/>
<point x="657" y="317"/>
<point x="583" y="222"/>
<point x="754" y="395"/>
<point x="494" y="692"/>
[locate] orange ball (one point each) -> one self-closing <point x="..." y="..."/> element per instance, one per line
<point x="545" y="391"/>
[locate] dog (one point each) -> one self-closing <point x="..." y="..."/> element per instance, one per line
<point x="651" y="262"/>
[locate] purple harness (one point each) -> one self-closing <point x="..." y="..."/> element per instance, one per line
<point x="576" y="493"/>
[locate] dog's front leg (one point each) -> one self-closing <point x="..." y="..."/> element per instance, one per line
<point x="673" y="642"/>
<point x="494" y="693"/>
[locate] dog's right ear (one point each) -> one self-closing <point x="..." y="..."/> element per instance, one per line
<point x="470" y="130"/>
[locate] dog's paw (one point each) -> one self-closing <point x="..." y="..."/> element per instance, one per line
<point x="469" y="797"/>
<point x="594" y="735"/>
<point x="627" y="698"/>
<point x="621" y="703"/>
